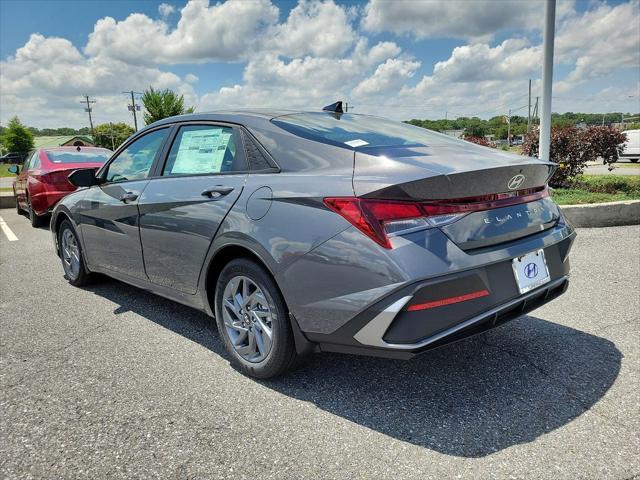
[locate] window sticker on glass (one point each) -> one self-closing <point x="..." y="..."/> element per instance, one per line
<point x="201" y="151"/>
<point x="356" y="143"/>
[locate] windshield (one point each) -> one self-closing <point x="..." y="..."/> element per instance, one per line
<point x="82" y="156"/>
<point x="357" y="131"/>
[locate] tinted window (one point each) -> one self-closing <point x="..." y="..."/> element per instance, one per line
<point x="357" y="131"/>
<point x="201" y="149"/>
<point x="82" y="156"/>
<point x="135" y="161"/>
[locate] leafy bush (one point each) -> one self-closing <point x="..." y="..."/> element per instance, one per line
<point x="479" y="141"/>
<point x="572" y="148"/>
<point x="606" y="142"/>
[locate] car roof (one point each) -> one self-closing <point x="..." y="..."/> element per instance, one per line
<point x="248" y="117"/>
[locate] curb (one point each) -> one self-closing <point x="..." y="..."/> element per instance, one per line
<point x="7" y="200"/>
<point x="586" y="216"/>
<point x="603" y="214"/>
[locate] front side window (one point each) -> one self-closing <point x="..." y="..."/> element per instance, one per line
<point x="203" y="149"/>
<point x="28" y="163"/>
<point x="35" y="160"/>
<point x="135" y="161"/>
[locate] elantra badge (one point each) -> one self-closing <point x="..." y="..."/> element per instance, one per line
<point x="516" y="182"/>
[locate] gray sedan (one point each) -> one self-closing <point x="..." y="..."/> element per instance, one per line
<point x="319" y="231"/>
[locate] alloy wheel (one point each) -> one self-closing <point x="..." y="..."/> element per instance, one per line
<point x="70" y="254"/>
<point x="247" y="318"/>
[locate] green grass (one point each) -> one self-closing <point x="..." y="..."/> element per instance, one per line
<point x="4" y="170"/>
<point x="598" y="189"/>
<point x="6" y="189"/>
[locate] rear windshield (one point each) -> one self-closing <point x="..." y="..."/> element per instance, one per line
<point x="357" y="131"/>
<point x="82" y="156"/>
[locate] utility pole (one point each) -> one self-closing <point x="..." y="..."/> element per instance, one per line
<point x="547" y="78"/>
<point x="529" y="115"/>
<point x="88" y="110"/>
<point x="133" y="107"/>
<point x="535" y="109"/>
<point x="509" y="128"/>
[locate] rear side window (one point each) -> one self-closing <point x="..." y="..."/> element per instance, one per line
<point x="357" y="131"/>
<point x="203" y="149"/>
<point x="135" y="161"/>
<point x="81" y="156"/>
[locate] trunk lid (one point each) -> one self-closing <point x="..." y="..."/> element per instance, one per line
<point x="460" y="173"/>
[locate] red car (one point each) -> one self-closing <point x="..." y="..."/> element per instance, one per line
<point x="42" y="180"/>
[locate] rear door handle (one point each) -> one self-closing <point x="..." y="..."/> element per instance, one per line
<point x="128" y="197"/>
<point x="217" y="191"/>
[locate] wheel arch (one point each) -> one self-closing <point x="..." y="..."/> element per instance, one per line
<point x="216" y="264"/>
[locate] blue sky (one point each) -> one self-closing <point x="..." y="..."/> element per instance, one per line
<point x="413" y="59"/>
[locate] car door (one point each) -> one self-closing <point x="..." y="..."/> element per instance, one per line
<point x="183" y="206"/>
<point x="109" y="211"/>
<point x="21" y="179"/>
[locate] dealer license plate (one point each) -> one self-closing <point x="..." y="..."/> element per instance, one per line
<point x="531" y="271"/>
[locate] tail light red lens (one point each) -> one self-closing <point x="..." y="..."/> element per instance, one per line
<point x="57" y="178"/>
<point x="382" y="219"/>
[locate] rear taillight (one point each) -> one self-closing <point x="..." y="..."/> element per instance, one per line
<point x="382" y="219"/>
<point x="58" y="178"/>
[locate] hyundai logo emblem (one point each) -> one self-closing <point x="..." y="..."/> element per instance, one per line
<point x="531" y="270"/>
<point x="516" y="182"/>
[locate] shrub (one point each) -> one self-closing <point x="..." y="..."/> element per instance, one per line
<point x="572" y="148"/>
<point x="606" y="142"/>
<point x="479" y="141"/>
<point x="567" y="149"/>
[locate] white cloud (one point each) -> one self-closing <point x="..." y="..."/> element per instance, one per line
<point x="164" y="9"/>
<point x="223" y="32"/>
<point x="477" y="19"/>
<point x="317" y="28"/>
<point x="52" y="73"/>
<point x="191" y="78"/>
<point x="271" y="81"/>
<point x="600" y="41"/>
<point x="389" y="76"/>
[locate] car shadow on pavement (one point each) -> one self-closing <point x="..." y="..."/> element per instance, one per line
<point x="469" y="399"/>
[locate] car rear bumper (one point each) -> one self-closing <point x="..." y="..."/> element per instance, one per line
<point x="43" y="203"/>
<point x="391" y="328"/>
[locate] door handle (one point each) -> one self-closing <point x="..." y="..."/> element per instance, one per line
<point x="217" y="191"/>
<point x="128" y="197"/>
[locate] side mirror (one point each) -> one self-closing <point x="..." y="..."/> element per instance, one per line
<point x="85" y="177"/>
<point x="14" y="169"/>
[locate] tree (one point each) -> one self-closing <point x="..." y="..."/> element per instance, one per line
<point x="111" y="135"/>
<point x="161" y="104"/>
<point x="16" y="137"/>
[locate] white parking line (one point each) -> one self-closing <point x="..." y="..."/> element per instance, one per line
<point x="7" y="231"/>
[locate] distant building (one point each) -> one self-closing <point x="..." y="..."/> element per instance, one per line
<point x="63" y="141"/>
<point x="453" y="133"/>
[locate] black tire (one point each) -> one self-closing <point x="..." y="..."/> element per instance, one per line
<point x="35" y="219"/>
<point x="634" y="160"/>
<point x="282" y="355"/>
<point x="18" y="209"/>
<point x="80" y="278"/>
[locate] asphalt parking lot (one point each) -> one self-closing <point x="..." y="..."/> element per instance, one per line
<point x="111" y="381"/>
